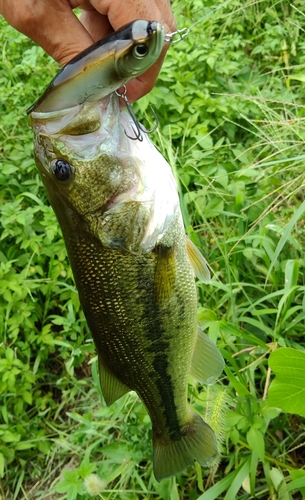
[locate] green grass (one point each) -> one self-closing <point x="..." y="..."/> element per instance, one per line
<point x="230" y="105"/>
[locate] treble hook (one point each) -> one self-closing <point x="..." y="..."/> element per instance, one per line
<point x="138" y="127"/>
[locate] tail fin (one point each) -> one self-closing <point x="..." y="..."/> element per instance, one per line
<point x="196" y="441"/>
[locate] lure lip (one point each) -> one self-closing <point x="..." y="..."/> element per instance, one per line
<point x="87" y="67"/>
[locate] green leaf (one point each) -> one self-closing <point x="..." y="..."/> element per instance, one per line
<point x="299" y="78"/>
<point x="164" y="488"/>
<point x="10" y="437"/>
<point x="231" y="483"/>
<point x="297" y="481"/>
<point x="24" y="445"/>
<point x="238" y="386"/>
<point x="70" y="484"/>
<point x="18" y="485"/>
<point x="285" y="237"/>
<point x="296" y="484"/>
<point x="27" y="396"/>
<point x="231" y="329"/>
<point x="118" y="452"/>
<point x="287" y="390"/>
<point x="85" y="469"/>
<point x="1" y="465"/>
<point x="291" y="273"/>
<point x="256" y="442"/>
<point x="238" y="481"/>
<point x="218" y="488"/>
<point x="279" y="483"/>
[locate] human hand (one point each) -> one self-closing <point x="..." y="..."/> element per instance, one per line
<point x="53" y="25"/>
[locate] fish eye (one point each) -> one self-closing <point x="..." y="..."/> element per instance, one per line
<point x="140" y="50"/>
<point x="61" y="169"/>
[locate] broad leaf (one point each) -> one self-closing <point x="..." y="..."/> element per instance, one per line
<point x="256" y="442"/>
<point x="287" y="390"/>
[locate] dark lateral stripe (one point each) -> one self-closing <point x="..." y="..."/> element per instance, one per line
<point x="166" y="392"/>
<point x="159" y="348"/>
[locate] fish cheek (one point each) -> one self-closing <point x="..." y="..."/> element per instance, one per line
<point x="95" y="184"/>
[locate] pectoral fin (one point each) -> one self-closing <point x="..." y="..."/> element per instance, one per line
<point x="165" y="273"/>
<point x="198" y="262"/>
<point x="112" y="388"/>
<point x="207" y="363"/>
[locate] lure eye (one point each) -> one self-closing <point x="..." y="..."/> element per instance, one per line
<point x="61" y="169"/>
<point x="140" y="50"/>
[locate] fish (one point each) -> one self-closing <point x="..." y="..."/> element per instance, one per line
<point x="117" y="203"/>
<point x="104" y="67"/>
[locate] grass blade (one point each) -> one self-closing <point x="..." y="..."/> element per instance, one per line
<point x="285" y="237"/>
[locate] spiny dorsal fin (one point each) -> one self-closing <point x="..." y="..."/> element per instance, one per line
<point x="198" y="262"/>
<point x="207" y="362"/>
<point x="112" y="388"/>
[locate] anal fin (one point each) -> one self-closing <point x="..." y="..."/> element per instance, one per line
<point x="112" y="388"/>
<point x="207" y="362"/>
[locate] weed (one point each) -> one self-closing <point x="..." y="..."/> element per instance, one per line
<point x="229" y="102"/>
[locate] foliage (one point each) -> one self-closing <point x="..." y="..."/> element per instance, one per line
<point x="287" y="389"/>
<point x="231" y="123"/>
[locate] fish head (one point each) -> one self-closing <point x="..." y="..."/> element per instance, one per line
<point x="73" y="153"/>
<point x="122" y="190"/>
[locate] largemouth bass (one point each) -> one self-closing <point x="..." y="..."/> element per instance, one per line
<point x="117" y="204"/>
<point x="104" y="67"/>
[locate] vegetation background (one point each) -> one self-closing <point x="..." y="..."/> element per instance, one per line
<point x="230" y="101"/>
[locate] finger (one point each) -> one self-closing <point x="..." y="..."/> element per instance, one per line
<point x="52" y="25"/>
<point x="96" y="24"/>
<point x="120" y="13"/>
<point x="144" y="83"/>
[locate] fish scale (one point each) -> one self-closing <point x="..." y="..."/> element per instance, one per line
<point x="114" y="313"/>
